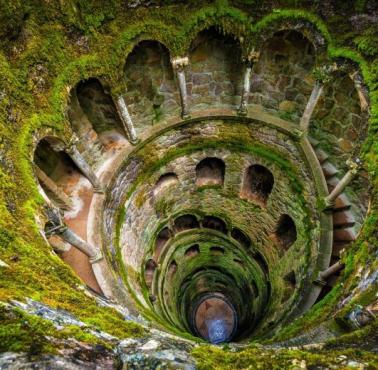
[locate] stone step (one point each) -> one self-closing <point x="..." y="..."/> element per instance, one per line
<point x="344" y="235"/>
<point x="342" y="203"/>
<point x="329" y="169"/>
<point x="343" y="219"/>
<point x="322" y="155"/>
<point x="332" y="182"/>
<point x="313" y="142"/>
<point x="337" y="247"/>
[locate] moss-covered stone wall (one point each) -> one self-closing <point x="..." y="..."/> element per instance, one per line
<point x="47" y="49"/>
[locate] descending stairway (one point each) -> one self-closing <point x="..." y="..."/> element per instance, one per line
<point x="344" y="223"/>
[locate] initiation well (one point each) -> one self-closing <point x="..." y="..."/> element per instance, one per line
<point x="198" y="177"/>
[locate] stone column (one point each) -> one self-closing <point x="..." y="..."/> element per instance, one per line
<point x="179" y="65"/>
<point x="362" y="95"/>
<point x="326" y="274"/>
<point x="61" y="196"/>
<point x="253" y="57"/>
<point x="354" y="166"/>
<point x="316" y="92"/>
<point x="56" y="226"/>
<point x="126" y="120"/>
<point x="83" y="165"/>
<point x="322" y="76"/>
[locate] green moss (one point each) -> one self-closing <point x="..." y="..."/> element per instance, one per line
<point x="22" y="332"/>
<point x="211" y="357"/>
<point x="359" y="5"/>
<point x="367" y="43"/>
<point x="365" y="337"/>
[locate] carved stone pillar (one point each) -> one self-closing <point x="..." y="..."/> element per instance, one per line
<point x="322" y="76"/>
<point x="126" y="120"/>
<point x="362" y="94"/>
<point x="253" y="57"/>
<point x="56" y="226"/>
<point x="59" y="194"/>
<point x="179" y="65"/>
<point x="354" y="166"/>
<point x="331" y="270"/>
<point x="316" y="92"/>
<point x="83" y="165"/>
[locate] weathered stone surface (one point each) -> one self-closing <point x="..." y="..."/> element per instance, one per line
<point x="21" y="361"/>
<point x="287" y="106"/>
<point x="156" y="352"/>
<point x="345" y="145"/>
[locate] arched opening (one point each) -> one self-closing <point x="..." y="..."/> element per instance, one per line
<point x="261" y="262"/>
<point x="239" y="262"/>
<point x="185" y="222"/>
<point x="254" y="289"/>
<point x="65" y="186"/>
<point x="289" y="286"/>
<point x="152" y="92"/>
<point x="161" y="239"/>
<point x="279" y="77"/>
<point x="258" y="183"/>
<point x="210" y="171"/>
<point x="214" y="77"/>
<point x="192" y="251"/>
<point x="149" y="270"/>
<point x="55" y="172"/>
<point x="92" y="109"/>
<point x="172" y="268"/>
<point x="215" y="223"/>
<point x="286" y="232"/>
<point x="165" y="181"/>
<point x="241" y="237"/>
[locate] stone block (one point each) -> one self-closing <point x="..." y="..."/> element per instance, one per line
<point x="283" y="82"/>
<point x="201" y="78"/>
<point x="342" y="202"/>
<point x="345" y="218"/>
<point x="201" y="89"/>
<point x="356" y="121"/>
<point x="345" y="145"/>
<point x="269" y="103"/>
<point x="322" y="155"/>
<point x="348" y="234"/>
<point x="291" y="93"/>
<point x="352" y="134"/>
<point x="329" y="169"/>
<point x="287" y="106"/>
<point x="320" y="113"/>
<point x="301" y="100"/>
<point x="228" y="88"/>
<point x="228" y="100"/>
<point x="219" y="75"/>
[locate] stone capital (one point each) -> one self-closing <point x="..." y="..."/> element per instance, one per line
<point x="55" y="230"/>
<point x="179" y="62"/>
<point x="323" y="73"/>
<point x="58" y="146"/>
<point x="298" y="134"/>
<point x="74" y="140"/>
<point x="253" y="56"/>
<point x="354" y="165"/>
<point x="97" y="258"/>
